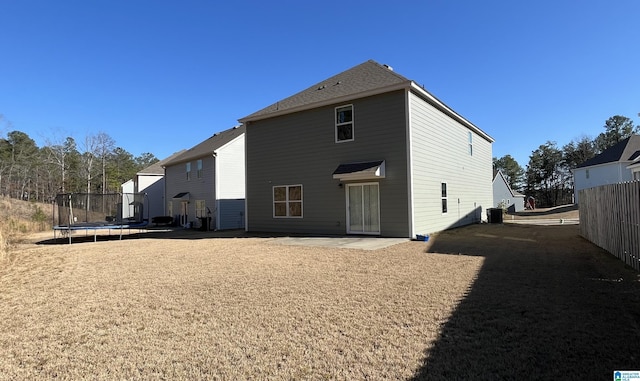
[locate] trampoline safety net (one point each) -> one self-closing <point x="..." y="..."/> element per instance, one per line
<point x="91" y="209"/>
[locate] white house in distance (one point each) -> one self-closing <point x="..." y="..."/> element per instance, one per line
<point x="504" y="196"/>
<point x="616" y="164"/>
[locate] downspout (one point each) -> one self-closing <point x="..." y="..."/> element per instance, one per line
<point x="164" y="191"/>
<point x="216" y="189"/>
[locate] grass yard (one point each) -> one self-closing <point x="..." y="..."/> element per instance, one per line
<point x="499" y="302"/>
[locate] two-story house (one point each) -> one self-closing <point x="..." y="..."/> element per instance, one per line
<point x="366" y="151"/>
<point x="611" y="166"/>
<point x="206" y="183"/>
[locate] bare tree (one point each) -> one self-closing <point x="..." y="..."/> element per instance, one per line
<point x="104" y="149"/>
<point x="58" y="154"/>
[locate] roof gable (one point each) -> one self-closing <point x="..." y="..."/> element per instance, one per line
<point x="207" y="147"/>
<point x="498" y="174"/>
<point x="367" y="79"/>
<point x="367" y="76"/>
<point x="624" y="151"/>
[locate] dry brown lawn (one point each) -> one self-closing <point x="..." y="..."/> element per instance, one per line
<point x="499" y="301"/>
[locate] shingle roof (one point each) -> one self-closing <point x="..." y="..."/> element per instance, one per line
<point x="367" y="76"/>
<point x="208" y="146"/>
<point x="156" y="168"/>
<point x="624" y="151"/>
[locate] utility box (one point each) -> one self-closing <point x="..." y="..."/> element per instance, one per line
<point x="494" y="215"/>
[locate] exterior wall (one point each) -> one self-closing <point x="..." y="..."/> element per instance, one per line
<point x="230" y="214"/>
<point x="502" y="192"/>
<point x="153" y="186"/>
<point x="440" y="153"/>
<point x="198" y="188"/>
<point x="603" y="174"/>
<point x="230" y="185"/>
<point x="128" y="187"/>
<point x="300" y="149"/>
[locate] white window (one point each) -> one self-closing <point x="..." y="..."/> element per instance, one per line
<point x="188" y="170"/>
<point x="344" y="123"/>
<point x="443" y="188"/>
<point x="170" y="208"/>
<point x="201" y="208"/>
<point x="287" y="201"/>
<point x="470" y="143"/>
<point x="199" y="169"/>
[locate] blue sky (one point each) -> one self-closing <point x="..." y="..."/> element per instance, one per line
<point x="160" y="76"/>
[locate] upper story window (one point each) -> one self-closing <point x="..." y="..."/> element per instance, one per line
<point x="470" y="143"/>
<point x="344" y="123"/>
<point x="188" y="170"/>
<point x="199" y="169"/>
<point x="587" y="172"/>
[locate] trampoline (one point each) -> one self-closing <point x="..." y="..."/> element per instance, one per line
<point x="98" y="212"/>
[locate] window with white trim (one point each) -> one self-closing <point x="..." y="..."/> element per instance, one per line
<point x="199" y="169"/>
<point x="344" y="123"/>
<point x="201" y="208"/>
<point x="188" y="170"/>
<point x="287" y="201"/>
<point x="443" y="190"/>
<point x="470" y="143"/>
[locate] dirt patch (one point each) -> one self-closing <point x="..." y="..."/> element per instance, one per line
<point x="499" y="301"/>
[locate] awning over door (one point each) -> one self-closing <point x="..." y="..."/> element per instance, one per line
<point x="181" y="196"/>
<point x="370" y="170"/>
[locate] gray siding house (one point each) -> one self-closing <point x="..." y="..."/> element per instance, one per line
<point x="613" y="165"/>
<point x="504" y="196"/>
<point x="366" y="151"/>
<point x="206" y="184"/>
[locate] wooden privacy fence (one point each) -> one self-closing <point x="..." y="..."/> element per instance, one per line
<point x="610" y="218"/>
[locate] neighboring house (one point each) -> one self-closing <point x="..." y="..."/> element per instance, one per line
<point x="150" y="180"/>
<point x="614" y="165"/>
<point x="505" y="197"/>
<point x="206" y="184"/>
<point x="366" y="151"/>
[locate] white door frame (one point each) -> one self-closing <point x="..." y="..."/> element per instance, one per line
<point x="349" y="231"/>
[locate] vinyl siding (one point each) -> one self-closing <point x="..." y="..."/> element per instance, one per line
<point x="440" y="154"/>
<point x="230" y="214"/>
<point x="230" y="167"/>
<point x="300" y="148"/>
<point x="610" y="173"/>
<point x="501" y="192"/>
<point x="230" y="185"/>
<point x="198" y="188"/>
<point x="153" y="186"/>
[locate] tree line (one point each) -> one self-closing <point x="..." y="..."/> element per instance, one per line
<point x="548" y="177"/>
<point x="93" y="165"/>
